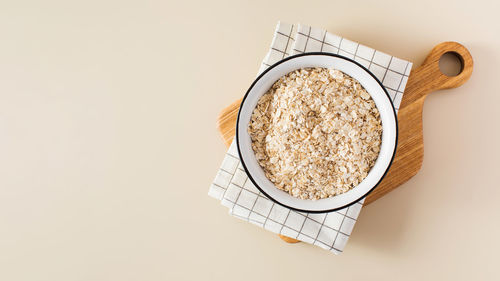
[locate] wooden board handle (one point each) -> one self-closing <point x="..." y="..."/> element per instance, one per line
<point x="428" y="77"/>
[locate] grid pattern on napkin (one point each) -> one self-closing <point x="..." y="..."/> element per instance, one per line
<point x="231" y="185"/>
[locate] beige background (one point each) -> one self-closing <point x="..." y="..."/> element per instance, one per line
<point x="108" y="143"/>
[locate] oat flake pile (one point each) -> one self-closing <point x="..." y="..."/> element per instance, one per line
<point x="316" y="133"/>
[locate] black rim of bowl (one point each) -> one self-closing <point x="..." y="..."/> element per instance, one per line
<point x="264" y="73"/>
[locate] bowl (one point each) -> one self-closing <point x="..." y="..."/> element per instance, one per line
<point x="382" y="101"/>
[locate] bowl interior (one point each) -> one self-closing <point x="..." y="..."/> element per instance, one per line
<point x="373" y="87"/>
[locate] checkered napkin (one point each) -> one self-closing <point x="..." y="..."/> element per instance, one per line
<point x="233" y="188"/>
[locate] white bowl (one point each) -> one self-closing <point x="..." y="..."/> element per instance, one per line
<point x="372" y="85"/>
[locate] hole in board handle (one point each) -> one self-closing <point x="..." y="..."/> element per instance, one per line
<point x="451" y="64"/>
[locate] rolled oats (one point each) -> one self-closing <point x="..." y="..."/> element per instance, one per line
<point x="316" y="133"/>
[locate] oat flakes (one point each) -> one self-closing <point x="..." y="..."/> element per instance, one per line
<point x="316" y="133"/>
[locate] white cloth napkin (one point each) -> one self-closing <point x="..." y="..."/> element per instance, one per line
<point x="231" y="185"/>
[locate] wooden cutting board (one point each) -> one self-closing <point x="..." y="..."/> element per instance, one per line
<point x="409" y="156"/>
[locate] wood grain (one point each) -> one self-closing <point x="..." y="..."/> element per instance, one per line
<point x="409" y="156"/>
